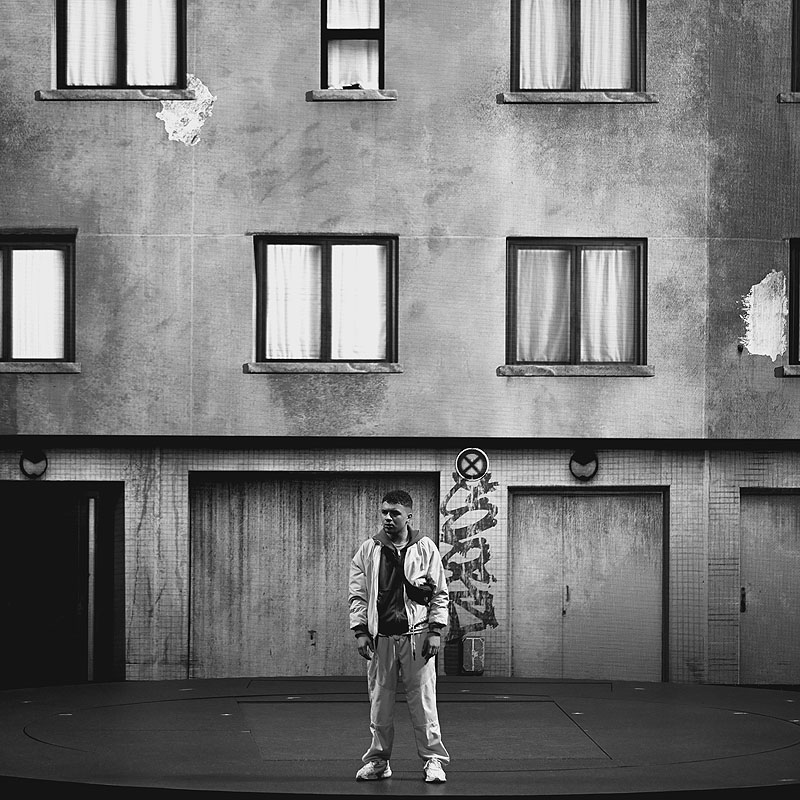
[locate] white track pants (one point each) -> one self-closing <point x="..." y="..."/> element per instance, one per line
<point x="390" y="661"/>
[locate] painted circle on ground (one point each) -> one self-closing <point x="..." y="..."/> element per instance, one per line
<point x="472" y="464"/>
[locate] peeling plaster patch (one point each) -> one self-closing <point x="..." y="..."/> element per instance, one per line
<point x="184" y="118"/>
<point x="764" y="311"/>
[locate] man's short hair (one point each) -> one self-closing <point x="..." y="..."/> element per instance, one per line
<point x="398" y="497"/>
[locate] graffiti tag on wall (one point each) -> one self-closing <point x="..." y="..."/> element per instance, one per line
<point x="468" y="512"/>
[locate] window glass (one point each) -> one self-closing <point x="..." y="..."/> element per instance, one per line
<point x="294" y="292"/>
<point x="152" y="42"/>
<point x="353" y="61"/>
<point x="354" y="13"/>
<point x="605" y="44"/>
<point x="358" y="309"/>
<point x="37" y="304"/>
<point x="91" y="43"/>
<point x="544" y="44"/>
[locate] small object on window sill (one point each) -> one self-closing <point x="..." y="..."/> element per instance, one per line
<point x="333" y="94"/>
<point x="353" y="86"/>
<point x="788" y="371"/>
<point x="576" y="371"/>
<point x="789" y="97"/>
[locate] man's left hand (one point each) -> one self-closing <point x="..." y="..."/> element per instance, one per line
<point x="431" y="646"/>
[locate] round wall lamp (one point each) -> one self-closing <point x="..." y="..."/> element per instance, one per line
<point x="33" y="463"/>
<point x="583" y="465"/>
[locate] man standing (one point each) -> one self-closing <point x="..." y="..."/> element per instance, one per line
<point x="398" y="606"/>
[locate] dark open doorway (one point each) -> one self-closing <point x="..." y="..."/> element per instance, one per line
<point x="62" y="590"/>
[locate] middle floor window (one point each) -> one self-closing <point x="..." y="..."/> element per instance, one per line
<point x="576" y="301"/>
<point x="326" y="298"/>
<point x="352" y="44"/>
<point x="578" y="45"/>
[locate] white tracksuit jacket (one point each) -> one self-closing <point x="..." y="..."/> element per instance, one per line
<point x="422" y="560"/>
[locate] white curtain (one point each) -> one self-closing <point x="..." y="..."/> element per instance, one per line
<point x="544" y="44"/>
<point x="353" y="13"/>
<point x="353" y="61"/>
<point x="91" y="43"/>
<point x="294" y="296"/>
<point x="605" y="44"/>
<point x="608" y="305"/>
<point x="358" y="310"/>
<point x="37" y="304"/>
<point x="543" y="300"/>
<point x="152" y="42"/>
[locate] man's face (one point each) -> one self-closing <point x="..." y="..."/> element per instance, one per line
<point x="395" y="518"/>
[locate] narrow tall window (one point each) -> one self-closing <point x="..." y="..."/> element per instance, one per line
<point x="578" y="45"/>
<point x="352" y="44"/>
<point x="36" y="319"/>
<point x="121" y="43"/>
<point x="325" y="299"/>
<point x="794" y="301"/>
<point x="575" y="302"/>
<point x="796" y="46"/>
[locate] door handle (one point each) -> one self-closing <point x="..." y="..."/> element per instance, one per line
<point x="743" y="600"/>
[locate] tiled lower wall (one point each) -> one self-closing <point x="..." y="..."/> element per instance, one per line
<point x="703" y="530"/>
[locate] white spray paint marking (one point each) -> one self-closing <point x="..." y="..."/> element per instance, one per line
<point x="764" y="311"/>
<point x="184" y="118"/>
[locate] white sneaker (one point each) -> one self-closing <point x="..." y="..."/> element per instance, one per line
<point x="374" y="771"/>
<point x="434" y="772"/>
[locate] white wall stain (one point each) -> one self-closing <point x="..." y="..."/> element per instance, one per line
<point x="184" y="118"/>
<point x="764" y="311"/>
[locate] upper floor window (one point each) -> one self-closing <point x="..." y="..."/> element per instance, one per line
<point x="576" y="302"/>
<point x="352" y="44"/>
<point x="578" y="45"/>
<point x="36" y="294"/>
<point x="325" y="298"/>
<point x="121" y="44"/>
<point x="794" y="301"/>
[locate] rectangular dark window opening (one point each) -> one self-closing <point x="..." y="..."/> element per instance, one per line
<point x="37" y="298"/>
<point x="352" y="44"/>
<point x="577" y="45"/>
<point x="796" y="46"/>
<point x="326" y="298"/>
<point x="576" y="301"/>
<point x="794" y="301"/>
<point x="120" y="44"/>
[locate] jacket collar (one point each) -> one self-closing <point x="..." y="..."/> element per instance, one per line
<point x="382" y="538"/>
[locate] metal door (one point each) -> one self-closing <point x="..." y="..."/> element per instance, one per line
<point x="587" y="581"/>
<point x="270" y="563"/>
<point x="769" y="601"/>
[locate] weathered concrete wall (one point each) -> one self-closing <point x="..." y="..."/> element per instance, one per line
<point x="753" y="211"/>
<point x="165" y="260"/>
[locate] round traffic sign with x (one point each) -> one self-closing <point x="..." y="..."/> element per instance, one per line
<point x="472" y="464"/>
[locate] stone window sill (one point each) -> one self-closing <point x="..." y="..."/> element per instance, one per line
<point x="576" y="371"/>
<point x="318" y="95"/>
<point x="789" y="97"/>
<point x="788" y="371"/>
<point x="116" y="94"/>
<point x="39" y="366"/>
<point x="297" y="367"/>
<point x="576" y="97"/>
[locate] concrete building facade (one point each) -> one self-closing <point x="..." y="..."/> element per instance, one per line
<point x="213" y="497"/>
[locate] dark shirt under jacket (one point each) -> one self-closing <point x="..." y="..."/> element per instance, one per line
<point x="392" y="618"/>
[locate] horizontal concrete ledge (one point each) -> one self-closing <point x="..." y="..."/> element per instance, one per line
<point x="788" y="371"/>
<point x="789" y="97"/>
<point x="576" y="371"/>
<point x="576" y="97"/>
<point x="296" y="367"/>
<point x="40" y="366"/>
<point x="318" y="95"/>
<point x="116" y="94"/>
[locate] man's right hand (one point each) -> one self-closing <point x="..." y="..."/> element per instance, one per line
<point x="366" y="646"/>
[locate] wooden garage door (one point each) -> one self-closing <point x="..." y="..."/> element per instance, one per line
<point x="587" y="577"/>
<point x="769" y="618"/>
<point x="270" y="557"/>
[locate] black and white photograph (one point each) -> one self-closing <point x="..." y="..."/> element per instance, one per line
<point x="400" y="398"/>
